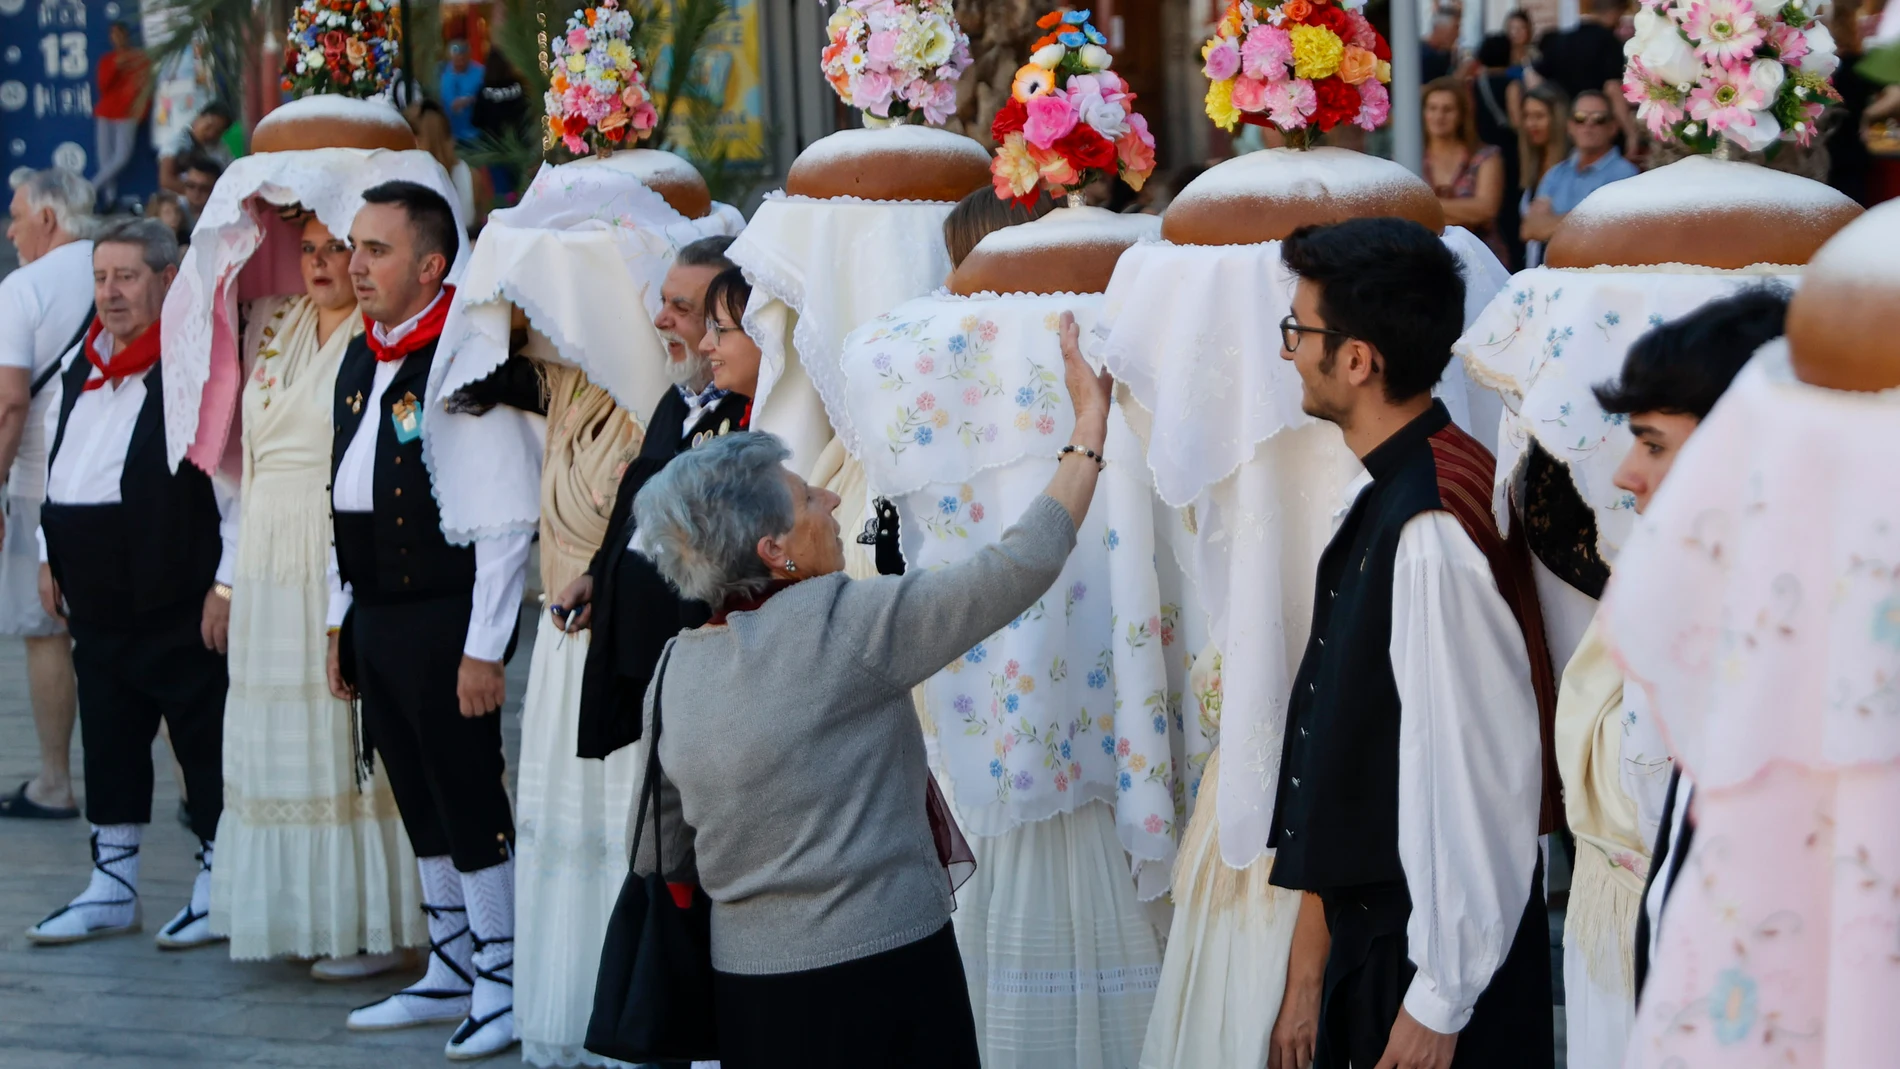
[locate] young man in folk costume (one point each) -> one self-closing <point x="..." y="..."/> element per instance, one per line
<point x="428" y="627"/>
<point x="630" y="608"/>
<point x="1623" y="794"/>
<point x="139" y="559"/>
<point x="1412" y="777"/>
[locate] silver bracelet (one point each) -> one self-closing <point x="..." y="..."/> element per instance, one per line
<point x="1100" y="464"/>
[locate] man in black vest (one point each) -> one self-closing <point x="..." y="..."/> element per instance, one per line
<point x="138" y="561"/>
<point x="1410" y="786"/>
<point x="637" y="611"/>
<point x="428" y="627"/>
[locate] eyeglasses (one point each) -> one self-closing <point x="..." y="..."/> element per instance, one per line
<point x="1291" y="329"/>
<point x="1593" y="119"/>
<point x="720" y="330"/>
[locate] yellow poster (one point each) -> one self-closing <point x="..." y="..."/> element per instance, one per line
<point x="728" y="70"/>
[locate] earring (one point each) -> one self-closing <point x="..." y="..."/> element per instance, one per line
<point x="790" y="568"/>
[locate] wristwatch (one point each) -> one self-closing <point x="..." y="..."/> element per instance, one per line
<point x="222" y="590"/>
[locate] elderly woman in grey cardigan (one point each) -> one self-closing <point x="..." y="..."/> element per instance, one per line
<point x="794" y="779"/>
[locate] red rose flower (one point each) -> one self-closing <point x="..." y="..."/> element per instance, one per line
<point x="574" y="126"/>
<point x="1338" y="102"/>
<point x="333" y="42"/>
<point x="1334" y="19"/>
<point x="1009" y="120"/>
<point x="1085" y="149"/>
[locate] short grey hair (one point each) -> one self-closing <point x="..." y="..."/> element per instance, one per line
<point x="68" y="195"/>
<point x="706" y="252"/>
<point x="157" y="239"/>
<point x="700" y="519"/>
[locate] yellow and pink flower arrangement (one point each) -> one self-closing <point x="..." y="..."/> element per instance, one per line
<point x="597" y="96"/>
<point x="1299" y="66"/>
<point x="897" y="58"/>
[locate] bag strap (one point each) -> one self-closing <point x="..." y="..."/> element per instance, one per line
<point x="650" y="791"/>
<point x="52" y="369"/>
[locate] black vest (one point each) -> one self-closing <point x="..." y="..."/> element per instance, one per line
<point x="396" y="551"/>
<point x="152" y="555"/>
<point x="1336" y="815"/>
<point x="635" y="610"/>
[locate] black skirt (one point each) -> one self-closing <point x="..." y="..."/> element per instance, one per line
<point x="906" y="1008"/>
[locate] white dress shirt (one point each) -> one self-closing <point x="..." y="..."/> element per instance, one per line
<point x="500" y="562"/>
<point x="1470" y="766"/>
<point x="91" y="460"/>
<point x="41" y="305"/>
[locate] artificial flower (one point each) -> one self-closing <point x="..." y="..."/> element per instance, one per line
<point x="1820" y="57"/>
<point x="1723" y="29"/>
<point x="1136" y="150"/>
<point x="1336" y="102"/>
<point x="1051" y="117"/>
<point x="1031" y="82"/>
<point x="881" y="48"/>
<point x="1095" y="57"/>
<point x="872" y="92"/>
<point x="1767" y="76"/>
<point x="1250" y="94"/>
<point x="1086" y="150"/>
<point x="1662" y="49"/>
<point x="1221" y="59"/>
<point x="1097" y="100"/>
<point x="1220" y="104"/>
<point x="1048" y="56"/>
<point x="1726" y="97"/>
<point x="1760" y="130"/>
<point x="1054" y="167"/>
<point x="1009" y="120"/>
<point x="1357" y="65"/>
<point x="1375" y="106"/>
<point x="1297" y="10"/>
<point x="1013" y="172"/>
<point x="1289" y="103"/>
<point x="1266" y="54"/>
<point x="1316" y="51"/>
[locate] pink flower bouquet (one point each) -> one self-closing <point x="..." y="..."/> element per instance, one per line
<point x="1069" y="119"/>
<point x="597" y="98"/>
<point x="1299" y="66"/>
<point x="896" y="58"/>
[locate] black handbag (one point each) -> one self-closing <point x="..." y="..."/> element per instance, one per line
<point x="653" y="998"/>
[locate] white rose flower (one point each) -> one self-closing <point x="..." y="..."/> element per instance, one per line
<point x="1758" y="135"/>
<point x="1767" y="76"/>
<point x="1047" y="56"/>
<point x="1662" y="50"/>
<point x="1109" y="119"/>
<point x="1821" y="58"/>
<point x="1095" y="57"/>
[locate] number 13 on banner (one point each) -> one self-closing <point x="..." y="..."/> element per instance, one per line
<point x="65" y="55"/>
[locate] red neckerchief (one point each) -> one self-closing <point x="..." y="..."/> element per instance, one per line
<point x="134" y="359"/>
<point x="745" y="418"/>
<point x="747" y="604"/>
<point x="428" y="329"/>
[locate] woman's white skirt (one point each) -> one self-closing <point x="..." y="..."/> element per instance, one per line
<point x="309" y="864"/>
<point x="1060" y="957"/>
<point x="1227" y="954"/>
<point x="571" y="818"/>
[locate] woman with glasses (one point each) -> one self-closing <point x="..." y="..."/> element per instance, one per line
<point x="733" y="355"/>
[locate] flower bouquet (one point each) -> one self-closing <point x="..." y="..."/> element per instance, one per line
<point x="897" y="58"/>
<point x="1708" y="73"/>
<point x="597" y="96"/>
<point x="344" y="47"/>
<point x="1069" y="119"/>
<point x="1297" y="66"/>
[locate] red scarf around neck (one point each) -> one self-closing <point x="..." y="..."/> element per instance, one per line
<point x="428" y="329"/>
<point x="134" y="359"/>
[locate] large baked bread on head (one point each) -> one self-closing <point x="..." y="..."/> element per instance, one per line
<point x="1070" y="250"/>
<point x="1841" y="332"/>
<point x="1704" y="212"/>
<point x="899" y="163"/>
<point x="672" y="176"/>
<point x="1264" y="196"/>
<point x="330" y="121"/>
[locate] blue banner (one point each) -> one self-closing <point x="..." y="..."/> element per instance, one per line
<point x="49" y="58"/>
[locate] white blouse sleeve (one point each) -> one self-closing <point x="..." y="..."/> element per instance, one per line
<point x="1470" y="767"/>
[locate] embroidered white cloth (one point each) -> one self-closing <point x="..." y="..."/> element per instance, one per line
<point x="963" y="406"/>
<point x="1758" y="602"/>
<point x="583" y="256"/>
<point x="819" y="269"/>
<point x="1553" y="333"/>
<point x="1255" y="481"/>
<point x="241" y="251"/>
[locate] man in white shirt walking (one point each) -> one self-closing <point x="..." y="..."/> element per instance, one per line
<point x="1411" y="782"/>
<point x="45" y="307"/>
<point x="139" y="559"/>
<point x="421" y="628"/>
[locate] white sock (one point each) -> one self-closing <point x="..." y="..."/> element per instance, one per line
<point x="201" y="887"/>
<point x="448" y="925"/>
<point x="491" y="916"/>
<point x="106" y="902"/>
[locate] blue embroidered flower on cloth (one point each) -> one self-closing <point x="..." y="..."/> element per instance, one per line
<point x="958" y="343"/>
<point x="1013" y="702"/>
<point x="1732" y="1004"/>
<point x="1108" y="745"/>
<point x="1161" y="724"/>
<point x="976" y="654"/>
<point x="1097" y="680"/>
<point x="1065" y="749"/>
<point x="1127" y="782"/>
<point x="1025" y="397"/>
<point x="996" y="768"/>
<point x="923" y="435"/>
<point x="949" y="505"/>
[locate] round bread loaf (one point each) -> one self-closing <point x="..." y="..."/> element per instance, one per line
<point x="1840" y="324"/>
<point x="669" y="175"/>
<point x="1701" y="211"/>
<point x="897" y="163"/>
<point x="1070" y="250"/>
<point x="1264" y="196"/>
<point x="330" y="121"/>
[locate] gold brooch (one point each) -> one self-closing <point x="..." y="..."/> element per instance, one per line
<point x="356" y="402"/>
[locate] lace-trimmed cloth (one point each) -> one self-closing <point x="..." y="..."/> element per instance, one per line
<point x="242" y="250"/>
<point x="1758" y="604"/>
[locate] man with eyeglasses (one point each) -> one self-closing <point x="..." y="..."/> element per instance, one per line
<point x="1412" y="783"/>
<point x="1594" y="162"/>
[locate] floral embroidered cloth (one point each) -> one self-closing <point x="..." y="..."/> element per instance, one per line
<point x="962" y="408"/>
<point x="1548" y="337"/>
<point x="1758" y="603"/>
<point x="588" y="236"/>
<point x="223" y="265"/>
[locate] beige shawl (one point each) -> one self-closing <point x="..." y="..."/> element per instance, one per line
<point x="590" y="443"/>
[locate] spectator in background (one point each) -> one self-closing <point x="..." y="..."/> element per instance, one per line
<point x="1589" y="56"/>
<point x="124" y="91"/>
<point x="433" y="136"/>
<point x="1541" y="145"/>
<point x="169" y="208"/>
<point x="204" y="137"/>
<point x="501" y="111"/>
<point x="198" y="177"/>
<point x="1467" y="175"/>
<point x="460" y="85"/>
<point x="1522" y="33"/>
<point x="1438" y="53"/>
<point x="1850" y="164"/>
<point x="1498" y="92"/>
<point x="1593" y="164"/>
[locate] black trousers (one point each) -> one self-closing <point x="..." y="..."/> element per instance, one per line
<point x="1368" y="972"/>
<point x="446" y="770"/>
<point x="131" y="678"/>
<point x="906" y="1008"/>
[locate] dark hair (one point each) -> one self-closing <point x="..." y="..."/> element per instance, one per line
<point x="706" y="252"/>
<point x="728" y="290"/>
<point x="1392" y="284"/>
<point x="1609" y="7"/>
<point x="1520" y="13"/>
<point x="982" y="213"/>
<point x="1684" y="366"/>
<point x="429" y="214"/>
<point x="1494" y="51"/>
<point x="218" y="109"/>
<point x="1584" y="94"/>
<point x="198" y="161"/>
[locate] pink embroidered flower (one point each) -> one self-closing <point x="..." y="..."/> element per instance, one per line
<point x="1121" y="748"/>
<point x="1222" y="60"/>
<point x="972" y="396"/>
<point x="1152" y="825"/>
<point x="1724" y="30"/>
<point x="986" y="330"/>
<point x="1267" y="55"/>
<point x="926" y="401"/>
<point x="1726" y="97"/>
<point x="926" y="364"/>
<point x="1250" y="94"/>
<point x="1011" y="670"/>
<point x="976" y="513"/>
<point x="1045" y="424"/>
<point x="1375" y="105"/>
<point x="1051" y="117"/>
<point x="1289" y="103"/>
